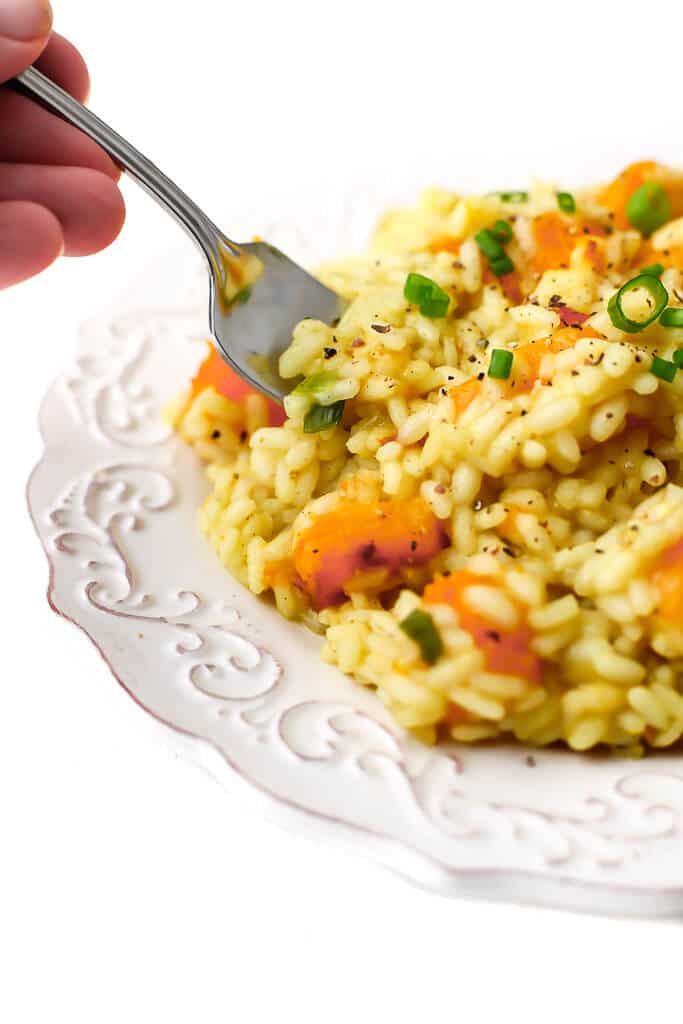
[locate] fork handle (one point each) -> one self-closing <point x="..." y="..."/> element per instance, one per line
<point x="203" y="231"/>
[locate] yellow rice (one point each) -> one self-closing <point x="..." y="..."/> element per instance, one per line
<point x="601" y="496"/>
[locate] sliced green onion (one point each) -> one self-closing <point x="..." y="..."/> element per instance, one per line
<point x="503" y="231"/>
<point x="435" y="306"/>
<point x="322" y="417"/>
<point x="489" y="244"/>
<point x="316" y="383"/>
<point x="566" y="202"/>
<point x="427" y="294"/>
<point x="419" y="626"/>
<point x="672" y="318"/>
<point x="501" y="364"/>
<point x="648" y="208"/>
<point x="417" y="288"/>
<point x="655" y="289"/>
<point x="654" y="269"/>
<point x="512" y="197"/>
<point x="501" y="266"/>
<point x="663" y="369"/>
<point x="678" y="358"/>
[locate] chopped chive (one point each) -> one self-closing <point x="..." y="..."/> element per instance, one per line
<point x="648" y="207"/>
<point x="672" y="318"/>
<point x="678" y="358"/>
<point x="512" y="197"/>
<point x="503" y="231"/>
<point x="657" y="292"/>
<point x="432" y="300"/>
<point x="435" y="306"/>
<point x="654" y="269"/>
<point x="322" y="417"/>
<point x="316" y="383"/>
<point x="419" y="626"/>
<point x="489" y="244"/>
<point x="417" y="288"/>
<point x="502" y="266"/>
<point x="501" y="364"/>
<point x="566" y="202"/>
<point x="663" y="369"/>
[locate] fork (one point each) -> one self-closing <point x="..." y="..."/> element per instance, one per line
<point x="257" y="295"/>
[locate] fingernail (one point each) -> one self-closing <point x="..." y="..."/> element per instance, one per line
<point x="25" y="20"/>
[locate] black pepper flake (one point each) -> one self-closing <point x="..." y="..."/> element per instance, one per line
<point x="381" y="328"/>
<point x="329" y="353"/>
<point x="480" y="376"/>
<point x="493" y="634"/>
<point x="368" y="551"/>
<point x="471" y="359"/>
<point x="215" y="434"/>
<point x="413" y="545"/>
<point x="648" y="451"/>
<point x="243" y="435"/>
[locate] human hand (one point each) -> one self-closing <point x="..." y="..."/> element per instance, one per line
<point x="58" y="192"/>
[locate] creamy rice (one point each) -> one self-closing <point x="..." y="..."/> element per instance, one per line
<point x="530" y="525"/>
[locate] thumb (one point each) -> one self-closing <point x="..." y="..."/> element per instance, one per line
<point x="24" y="29"/>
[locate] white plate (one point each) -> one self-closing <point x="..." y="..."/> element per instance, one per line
<point x="115" y="500"/>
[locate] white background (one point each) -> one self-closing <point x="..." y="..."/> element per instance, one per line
<point x="131" y="887"/>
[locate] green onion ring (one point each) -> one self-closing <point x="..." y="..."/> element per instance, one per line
<point x="657" y="292"/>
<point x="672" y="317"/>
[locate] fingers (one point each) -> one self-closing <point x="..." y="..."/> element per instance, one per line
<point x="86" y="203"/>
<point x="30" y="135"/>
<point x="24" y="28"/>
<point x="30" y="240"/>
<point x="61" y="61"/>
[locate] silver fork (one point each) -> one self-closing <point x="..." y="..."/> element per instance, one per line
<point x="256" y="294"/>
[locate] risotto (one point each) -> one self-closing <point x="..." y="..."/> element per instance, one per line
<point x="475" y="488"/>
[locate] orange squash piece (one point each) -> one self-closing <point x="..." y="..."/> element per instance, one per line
<point x="528" y="358"/>
<point x="668" y="581"/>
<point x="462" y="395"/>
<point x="446" y="243"/>
<point x="617" y="194"/>
<point x="556" y="236"/>
<point x="215" y="373"/>
<point x="506" y="651"/>
<point x="357" y="537"/>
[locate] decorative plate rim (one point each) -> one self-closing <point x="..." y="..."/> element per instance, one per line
<point x="565" y="889"/>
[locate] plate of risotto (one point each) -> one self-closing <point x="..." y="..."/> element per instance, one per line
<point x="433" y="607"/>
